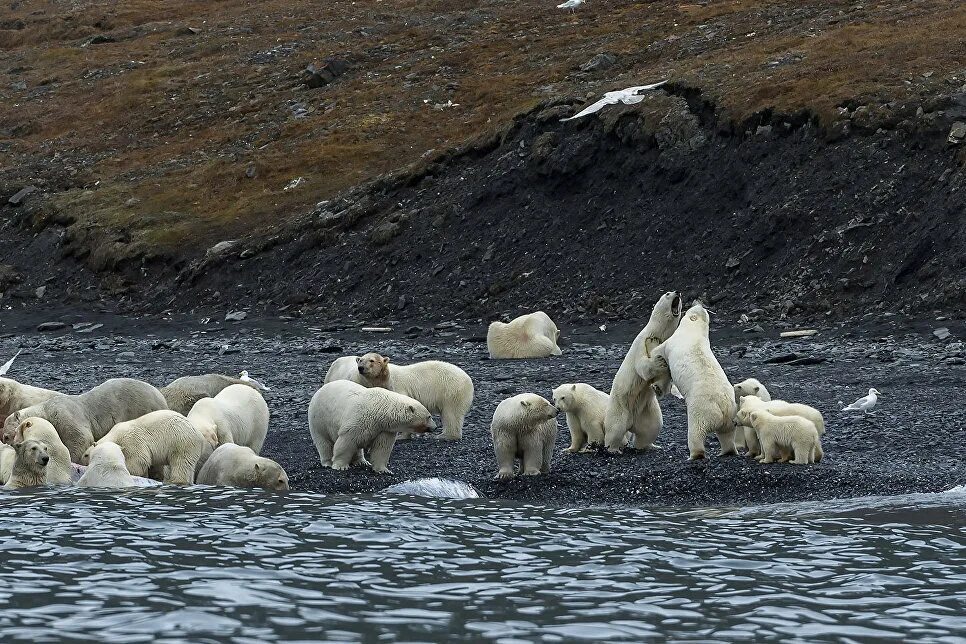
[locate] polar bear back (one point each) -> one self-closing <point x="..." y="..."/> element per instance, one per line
<point x="781" y="408"/>
<point x="239" y="466"/>
<point x="434" y="383"/>
<point x="117" y="400"/>
<point x="344" y="368"/>
<point x="16" y="395"/>
<point x="240" y="412"/>
<point x="693" y="365"/>
<point x="533" y="335"/>
<point x="156" y="438"/>
<point x="181" y="394"/>
<point x="58" y="468"/>
<point x="106" y="468"/>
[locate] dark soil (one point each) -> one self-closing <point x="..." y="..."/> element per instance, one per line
<point x="914" y="441"/>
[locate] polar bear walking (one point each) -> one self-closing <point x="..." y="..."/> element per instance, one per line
<point x="533" y="335"/>
<point x="347" y="419"/>
<point x="633" y="406"/>
<point x="237" y="414"/>
<point x="707" y="392"/>
<point x="525" y="427"/>
<point x="441" y="387"/>
<point x="793" y="433"/>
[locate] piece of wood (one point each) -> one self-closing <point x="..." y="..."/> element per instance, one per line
<point x="801" y="333"/>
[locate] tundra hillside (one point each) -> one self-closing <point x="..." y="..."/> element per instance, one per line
<point x="406" y="159"/>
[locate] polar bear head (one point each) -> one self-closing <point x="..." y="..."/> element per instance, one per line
<point x="536" y="409"/>
<point x="667" y="308"/>
<point x="104" y="453"/>
<point x="565" y="397"/>
<point x="269" y="475"/>
<point x="373" y="367"/>
<point x="33" y="454"/>
<point x="750" y="387"/>
<point x="697" y="317"/>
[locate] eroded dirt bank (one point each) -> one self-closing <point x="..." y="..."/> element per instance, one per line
<point x="914" y="442"/>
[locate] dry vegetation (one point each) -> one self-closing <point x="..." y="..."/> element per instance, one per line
<point x="188" y="124"/>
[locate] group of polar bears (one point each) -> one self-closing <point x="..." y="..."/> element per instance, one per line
<point x="366" y="403"/>
<point x="206" y="429"/>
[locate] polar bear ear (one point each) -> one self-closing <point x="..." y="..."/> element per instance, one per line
<point x="757" y="389"/>
<point x="525" y="403"/>
<point x="258" y="468"/>
<point x="412" y="410"/>
<point x="26" y="424"/>
<point x="385" y="360"/>
<point x="573" y="387"/>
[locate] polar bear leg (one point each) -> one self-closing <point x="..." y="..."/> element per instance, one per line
<point x="803" y="452"/>
<point x="817" y="452"/>
<point x="577" y="436"/>
<point x="360" y="458"/>
<point x="344" y="451"/>
<point x="505" y="449"/>
<point x="324" y="447"/>
<point x="727" y="442"/>
<point x="379" y="452"/>
<point x="181" y="471"/>
<point x="594" y="431"/>
<point x="751" y="441"/>
<point x="740" y="441"/>
<point x="547" y="455"/>
<point x="453" y="424"/>
<point x="136" y="462"/>
<point x="698" y="430"/>
<point x="768" y="449"/>
<point x="532" y="458"/>
<point x="785" y="454"/>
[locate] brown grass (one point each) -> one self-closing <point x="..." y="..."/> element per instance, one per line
<point x="171" y="121"/>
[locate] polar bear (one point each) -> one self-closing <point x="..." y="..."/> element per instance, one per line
<point x="533" y="335"/>
<point x="239" y="466"/>
<point x="30" y="466"/>
<point x="745" y="436"/>
<point x="633" y="405"/>
<point x="748" y="404"/>
<point x="525" y="427"/>
<point x="585" y="408"/>
<point x="344" y="368"/>
<point x="106" y="468"/>
<point x="7" y="457"/>
<point x="238" y="414"/>
<point x="160" y="441"/>
<point x="59" y="469"/>
<point x="441" y="387"/>
<point x="183" y="393"/>
<point x="346" y="419"/>
<point x="15" y="395"/>
<point x="708" y="394"/>
<point x="786" y="432"/>
<point x="82" y="419"/>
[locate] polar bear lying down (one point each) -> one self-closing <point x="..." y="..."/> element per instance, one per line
<point x="533" y="335"/>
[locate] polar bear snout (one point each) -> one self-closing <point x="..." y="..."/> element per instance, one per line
<point x="552" y="412"/>
<point x="43" y="459"/>
<point x="428" y="425"/>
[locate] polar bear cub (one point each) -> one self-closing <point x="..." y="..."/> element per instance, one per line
<point x="533" y="335"/>
<point x="106" y="468"/>
<point x="238" y="413"/>
<point x="789" y="432"/>
<point x="30" y="465"/>
<point x="745" y="435"/>
<point x="585" y="408"/>
<point x="344" y="368"/>
<point x="347" y="419"/>
<point x="525" y="427"/>
<point x="161" y="441"/>
<point x="59" y="469"/>
<point x="441" y="387"/>
<point x="239" y="466"/>
<point x="633" y="405"/>
<point x="707" y="392"/>
<point x="748" y="404"/>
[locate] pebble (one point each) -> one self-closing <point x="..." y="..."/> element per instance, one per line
<point x="235" y="316"/>
<point x="50" y="326"/>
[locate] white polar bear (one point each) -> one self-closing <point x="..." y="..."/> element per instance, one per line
<point x="59" y="469"/>
<point x="748" y="404"/>
<point x="707" y="392"/>
<point x="183" y="393"/>
<point x="15" y="395"/>
<point x="745" y="436"/>
<point x="525" y="427"/>
<point x="347" y="419"/>
<point x="633" y="406"/>
<point x="106" y="468"/>
<point x="793" y="433"/>
<point x="239" y="466"/>
<point x="161" y="441"/>
<point x="7" y="457"/>
<point x="30" y="466"/>
<point x="441" y="387"/>
<point x="80" y="420"/>
<point x="585" y="408"/>
<point x="533" y="335"/>
<point x="344" y="368"/>
<point x="238" y="413"/>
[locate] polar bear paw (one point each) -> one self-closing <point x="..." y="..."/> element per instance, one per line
<point x="340" y="466"/>
<point x="531" y="472"/>
<point x="503" y="475"/>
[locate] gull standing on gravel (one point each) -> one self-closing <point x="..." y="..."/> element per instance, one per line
<point x="865" y="403"/>
<point x="571" y="4"/>
<point x="628" y="96"/>
<point x="245" y="378"/>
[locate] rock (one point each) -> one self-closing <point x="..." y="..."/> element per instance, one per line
<point x="732" y="263"/>
<point x="805" y="360"/>
<point x="235" y="316"/>
<point x="125" y="355"/>
<point x="599" y="62"/>
<point x="188" y="31"/>
<point x="755" y="329"/>
<point x="330" y="347"/>
<point x="86" y="327"/>
<point x="446" y="325"/>
<point x="40" y="291"/>
<point x="955" y="360"/>
<point x="219" y="248"/>
<point x="251" y="171"/>
<point x="763" y="131"/>
<point x="50" y="326"/>
<point x="20" y="195"/>
<point x="957" y="132"/>
<point x="226" y="349"/>
<point x="942" y="333"/>
<point x="488" y="255"/>
<point x="99" y="39"/>
<point x="783" y="358"/>
<point x="314" y="77"/>
<point x="401" y="302"/>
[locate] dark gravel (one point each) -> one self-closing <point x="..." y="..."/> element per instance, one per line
<point x="912" y="443"/>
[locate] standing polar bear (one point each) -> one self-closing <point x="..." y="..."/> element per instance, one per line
<point x="585" y="408"/>
<point x="525" y="427"/>
<point x="15" y="395"/>
<point x="745" y="435"/>
<point x="239" y="466"/>
<point x="182" y="394"/>
<point x="707" y="392"/>
<point x="633" y="405"/>
<point x="106" y="468"/>
<point x="347" y="419"/>
<point x="161" y="441"/>
<point x="793" y="433"/>
<point x="533" y="335"/>
<point x="237" y="414"/>
<point x="442" y="388"/>
<point x="59" y="469"/>
<point x="80" y="420"/>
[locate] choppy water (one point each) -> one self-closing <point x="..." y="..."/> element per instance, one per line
<point x="223" y="565"/>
